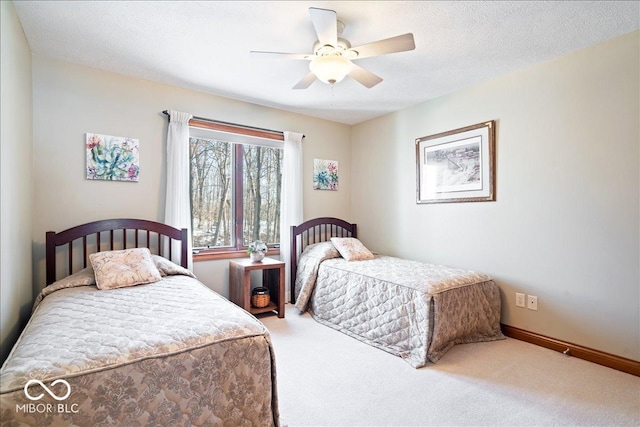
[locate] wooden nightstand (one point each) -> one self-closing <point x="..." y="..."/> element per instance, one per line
<point x="272" y="278"/>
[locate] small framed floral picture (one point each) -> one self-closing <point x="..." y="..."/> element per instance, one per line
<point x="325" y="174"/>
<point x="112" y="158"/>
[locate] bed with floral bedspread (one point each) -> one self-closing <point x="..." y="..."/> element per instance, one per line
<point x="414" y="310"/>
<point x="166" y="352"/>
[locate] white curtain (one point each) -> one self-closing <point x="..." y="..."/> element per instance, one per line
<point x="178" y="200"/>
<point x="291" y="199"/>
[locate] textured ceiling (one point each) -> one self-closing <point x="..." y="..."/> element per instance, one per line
<point x="205" y="45"/>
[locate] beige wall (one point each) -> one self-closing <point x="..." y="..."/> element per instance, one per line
<point x="16" y="184"/>
<point x="70" y="100"/>
<point x="565" y="226"/>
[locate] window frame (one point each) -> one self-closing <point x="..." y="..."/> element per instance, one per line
<point x="239" y="250"/>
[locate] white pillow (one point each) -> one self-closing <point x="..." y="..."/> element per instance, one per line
<point x="351" y="248"/>
<point x="127" y="267"/>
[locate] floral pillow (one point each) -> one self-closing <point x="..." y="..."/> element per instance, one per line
<point x="351" y="248"/>
<point x="127" y="267"/>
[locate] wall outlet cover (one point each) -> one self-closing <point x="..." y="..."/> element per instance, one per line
<point x="520" y="300"/>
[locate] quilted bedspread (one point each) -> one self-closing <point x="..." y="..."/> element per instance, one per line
<point x="167" y="353"/>
<point x="414" y="310"/>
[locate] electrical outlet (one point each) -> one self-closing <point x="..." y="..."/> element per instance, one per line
<point x="520" y="300"/>
<point x="532" y="302"/>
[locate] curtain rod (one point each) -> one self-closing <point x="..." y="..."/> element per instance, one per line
<point x="204" y="119"/>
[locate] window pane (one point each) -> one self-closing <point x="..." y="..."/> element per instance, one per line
<point x="262" y="179"/>
<point x="211" y="193"/>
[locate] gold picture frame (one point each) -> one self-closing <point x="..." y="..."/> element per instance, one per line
<point x="457" y="166"/>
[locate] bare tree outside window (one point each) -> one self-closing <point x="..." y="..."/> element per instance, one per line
<point x="262" y="180"/>
<point x="218" y="170"/>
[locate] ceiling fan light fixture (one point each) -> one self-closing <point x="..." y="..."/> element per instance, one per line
<point x="331" y="59"/>
<point x="330" y="69"/>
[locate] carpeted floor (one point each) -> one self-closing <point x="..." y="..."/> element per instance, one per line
<point x="326" y="378"/>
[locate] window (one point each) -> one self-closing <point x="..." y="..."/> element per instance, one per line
<point x="235" y="194"/>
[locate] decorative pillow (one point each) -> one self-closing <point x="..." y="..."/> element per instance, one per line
<point x="127" y="267"/>
<point x="351" y="248"/>
<point x="169" y="268"/>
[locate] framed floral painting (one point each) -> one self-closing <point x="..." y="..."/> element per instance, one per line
<point x="325" y="174"/>
<point x="112" y="158"/>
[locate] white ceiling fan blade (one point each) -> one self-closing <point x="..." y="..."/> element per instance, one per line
<point x="364" y="77"/>
<point x="282" y="55"/>
<point x="382" y="47"/>
<point x="306" y="81"/>
<point x="325" y="22"/>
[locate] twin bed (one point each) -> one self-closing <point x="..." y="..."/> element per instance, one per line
<point x="414" y="310"/>
<point x="103" y="349"/>
<point x="124" y="334"/>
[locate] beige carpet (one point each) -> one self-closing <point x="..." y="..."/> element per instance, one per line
<point x="326" y="378"/>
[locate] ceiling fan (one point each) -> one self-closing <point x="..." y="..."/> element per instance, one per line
<point x="332" y="57"/>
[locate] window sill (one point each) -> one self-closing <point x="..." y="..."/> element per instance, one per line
<point x="208" y="255"/>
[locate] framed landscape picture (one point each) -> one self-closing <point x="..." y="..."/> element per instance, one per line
<point x="457" y="166"/>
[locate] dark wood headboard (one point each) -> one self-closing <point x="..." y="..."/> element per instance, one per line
<point x="314" y="231"/>
<point x="111" y="234"/>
